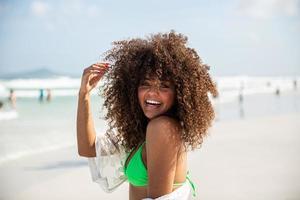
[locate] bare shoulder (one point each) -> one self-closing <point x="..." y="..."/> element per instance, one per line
<point x="163" y="144"/>
<point x="164" y="129"/>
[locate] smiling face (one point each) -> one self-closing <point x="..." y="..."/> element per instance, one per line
<point x="156" y="97"/>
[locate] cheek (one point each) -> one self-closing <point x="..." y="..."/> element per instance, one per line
<point x="169" y="97"/>
<point x="140" y="96"/>
<point x="172" y="98"/>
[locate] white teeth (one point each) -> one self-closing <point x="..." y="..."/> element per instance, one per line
<point x="153" y="102"/>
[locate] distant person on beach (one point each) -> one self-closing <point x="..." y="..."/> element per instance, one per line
<point x="155" y="91"/>
<point x="49" y="95"/>
<point x="295" y="84"/>
<point x="41" y="96"/>
<point x="241" y="93"/>
<point x="12" y="98"/>
<point x="277" y="92"/>
<point x="1" y="105"/>
<point x="241" y="100"/>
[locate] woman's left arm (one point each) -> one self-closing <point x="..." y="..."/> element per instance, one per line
<point x="163" y="143"/>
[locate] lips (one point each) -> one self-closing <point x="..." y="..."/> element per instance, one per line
<point x="152" y="104"/>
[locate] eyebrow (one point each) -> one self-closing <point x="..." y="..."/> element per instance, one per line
<point x="162" y="81"/>
<point x="149" y="79"/>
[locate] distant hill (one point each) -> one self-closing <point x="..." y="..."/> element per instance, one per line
<point x="38" y="73"/>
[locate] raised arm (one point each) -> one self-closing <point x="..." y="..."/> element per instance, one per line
<point x="86" y="133"/>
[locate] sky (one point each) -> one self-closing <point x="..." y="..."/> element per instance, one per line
<point x="234" y="37"/>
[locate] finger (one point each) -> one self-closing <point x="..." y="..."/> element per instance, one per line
<point x="105" y="64"/>
<point x="95" y="77"/>
<point x="94" y="80"/>
<point x="102" y="65"/>
<point x="98" y="65"/>
<point x="93" y="70"/>
<point x="87" y="76"/>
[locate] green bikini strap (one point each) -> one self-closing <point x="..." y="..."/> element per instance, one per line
<point x="192" y="184"/>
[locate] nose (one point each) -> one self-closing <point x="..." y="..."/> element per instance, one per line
<point x="154" y="89"/>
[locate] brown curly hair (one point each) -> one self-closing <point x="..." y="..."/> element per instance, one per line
<point x="167" y="57"/>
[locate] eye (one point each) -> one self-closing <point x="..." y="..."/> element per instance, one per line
<point x="164" y="86"/>
<point x="144" y="84"/>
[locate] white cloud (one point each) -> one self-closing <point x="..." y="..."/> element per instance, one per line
<point x="265" y="9"/>
<point x="39" y="8"/>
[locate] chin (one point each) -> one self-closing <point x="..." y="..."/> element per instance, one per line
<point x="152" y="116"/>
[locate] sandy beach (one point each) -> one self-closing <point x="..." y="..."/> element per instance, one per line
<point x="241" y="159"/>
<point x="136" y="60"/>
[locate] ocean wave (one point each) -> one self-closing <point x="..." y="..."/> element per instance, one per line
<point x="53" y="83"/>
<point x="60" y="86"/>
<point x="229" y="87"/>
<point x="29" y="152"/>
<point x="8" y="115"/>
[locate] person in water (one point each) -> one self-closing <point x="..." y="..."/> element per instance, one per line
<point x="41" y="96"/>
<point x="12" y="99"/>
<point x="156" y="93"/>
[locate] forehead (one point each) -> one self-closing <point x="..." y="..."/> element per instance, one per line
<point x="155" y="77"/>
<point x="156" y="80"/>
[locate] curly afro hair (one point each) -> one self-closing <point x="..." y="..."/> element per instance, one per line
<point x="167" y="57"/>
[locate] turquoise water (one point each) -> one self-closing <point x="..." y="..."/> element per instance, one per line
<point x="51" y="125"/>
<point x="43" y="126"/>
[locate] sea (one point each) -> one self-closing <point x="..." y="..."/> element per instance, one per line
<point x="37" y="125"/>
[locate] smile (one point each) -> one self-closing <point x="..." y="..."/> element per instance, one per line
<point x="153" y="102"/>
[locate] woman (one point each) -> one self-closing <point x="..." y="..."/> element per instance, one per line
<point x="156" y="96"/>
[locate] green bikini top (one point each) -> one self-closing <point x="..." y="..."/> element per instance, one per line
<point x="137" y="174"/>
